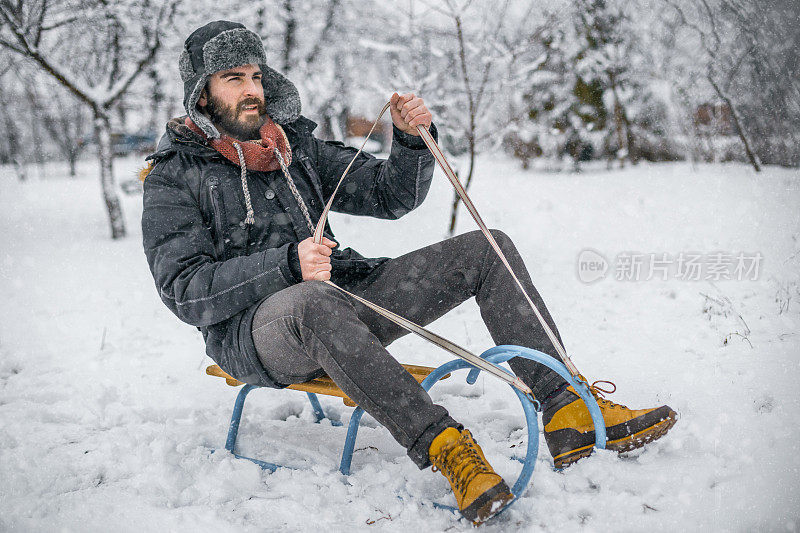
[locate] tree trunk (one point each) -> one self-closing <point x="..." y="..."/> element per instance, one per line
<point x="156" y="99"/>
<point x="739" y="128"/>
<point x="72" y="157"/>
<point x="472" y="106"/>
<point x="289" y="35"/>
<point x="624" y="131"/>
<point x="14" y="151"/>
<point x="102" y="130"/>
<point x="622" y="148"/>
<point x="622" y="145"/>
<point x="456" y="198"/>
<point x="36" y="134"/>
<point x="20" y="168"/>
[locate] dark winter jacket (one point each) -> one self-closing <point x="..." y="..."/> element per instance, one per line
<point x="212" y="270"/>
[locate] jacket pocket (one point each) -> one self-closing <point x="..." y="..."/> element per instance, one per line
<point x="218" y="210"/>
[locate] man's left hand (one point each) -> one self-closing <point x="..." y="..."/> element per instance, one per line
<point x="408" y="112"/>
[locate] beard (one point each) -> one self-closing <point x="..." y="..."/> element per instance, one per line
<point x="228" y="119"/>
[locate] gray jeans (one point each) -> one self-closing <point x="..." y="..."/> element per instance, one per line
<point x="312" y="328"/>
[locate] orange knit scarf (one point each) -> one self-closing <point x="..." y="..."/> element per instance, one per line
<point x="258" y="155"/>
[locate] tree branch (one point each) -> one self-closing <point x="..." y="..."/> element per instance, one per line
<point x="501" y="17"/>
<point x="144" y="61"/>
<point x="330" y="16"/>
<point x="695" y="27"/>
<point x="10" y="46"/>
<point x="739" y="128"/>
<point x="737" y="65"/>
<point x="34" y="54"/>
<point x="38" y="26"/>
<point x="462" y="55"/>
<point x="60" y="23"/>
<point x="712" y="22"/>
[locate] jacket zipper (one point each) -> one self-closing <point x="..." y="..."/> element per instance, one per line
<point x="312" y="174"/>
<point x="219" y="222"/>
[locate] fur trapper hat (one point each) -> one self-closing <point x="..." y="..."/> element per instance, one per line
<point x="223" y="45"/>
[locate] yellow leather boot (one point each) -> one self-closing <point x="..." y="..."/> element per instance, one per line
<point x="569" y="430"/>
<point x="479" y="491"/>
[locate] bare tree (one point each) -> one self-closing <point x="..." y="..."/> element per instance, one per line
<point x="474" y="91"/>
<point x="481" y="60"/>
<point x="11" y="141"/>
<point x="767" y="77"/>
<point x="63" y="118"/>
<point x="722" y="59"/>
<point x="67" y="129"/>
<point x="309" y="35"/>
<point x="156" y="97"/>
<point x="95" y="49"/>
<point x="289" y="34"/>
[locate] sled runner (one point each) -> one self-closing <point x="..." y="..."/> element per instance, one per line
<point x="428" y="377"/>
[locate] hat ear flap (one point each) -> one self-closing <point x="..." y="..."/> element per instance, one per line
<point x="281" y="97"/>
<point x="200" y="120"/>
<point x="185" y="66"/>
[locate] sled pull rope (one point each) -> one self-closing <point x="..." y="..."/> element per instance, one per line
<point x="443" y="343"/>
<point x="462" y="193"/>
<point x="404" y="323"/>
<point x="324" y="217"/>
<point x="417" y="329"/>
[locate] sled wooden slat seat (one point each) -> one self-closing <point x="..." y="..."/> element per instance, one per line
<point x="324" y="385"/>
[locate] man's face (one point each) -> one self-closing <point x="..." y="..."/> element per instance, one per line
<point x="234" y="100"/>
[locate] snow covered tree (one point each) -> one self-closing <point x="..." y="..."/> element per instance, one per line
<point x="551" y="125"/>
<point x="65" y="120"/>
<point x="767" y="82"/>
<point x="588" y="95"/>
<point x="95" y="50"/>
<point x="312" y="43"/>
<point x="719" y="59"/>
<point x="465" y="65"/>
<point x="746" y="54"/>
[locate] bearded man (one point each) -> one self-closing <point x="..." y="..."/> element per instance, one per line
<point x="230" y="207"/>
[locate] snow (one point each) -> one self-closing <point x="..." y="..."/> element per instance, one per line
<point x="381" y="47"/>
<point x="107" y="419"/>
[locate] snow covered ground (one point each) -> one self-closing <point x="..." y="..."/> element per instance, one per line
<point x="107" y="419"/>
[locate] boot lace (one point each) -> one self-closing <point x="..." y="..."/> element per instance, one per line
<point x="461" y="461"/>
<point x="599" y="394"/>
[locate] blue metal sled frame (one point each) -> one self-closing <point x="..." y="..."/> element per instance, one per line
<point x="497" y="355"/>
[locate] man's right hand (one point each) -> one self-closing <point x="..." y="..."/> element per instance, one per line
<point x="315" y="259"/>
